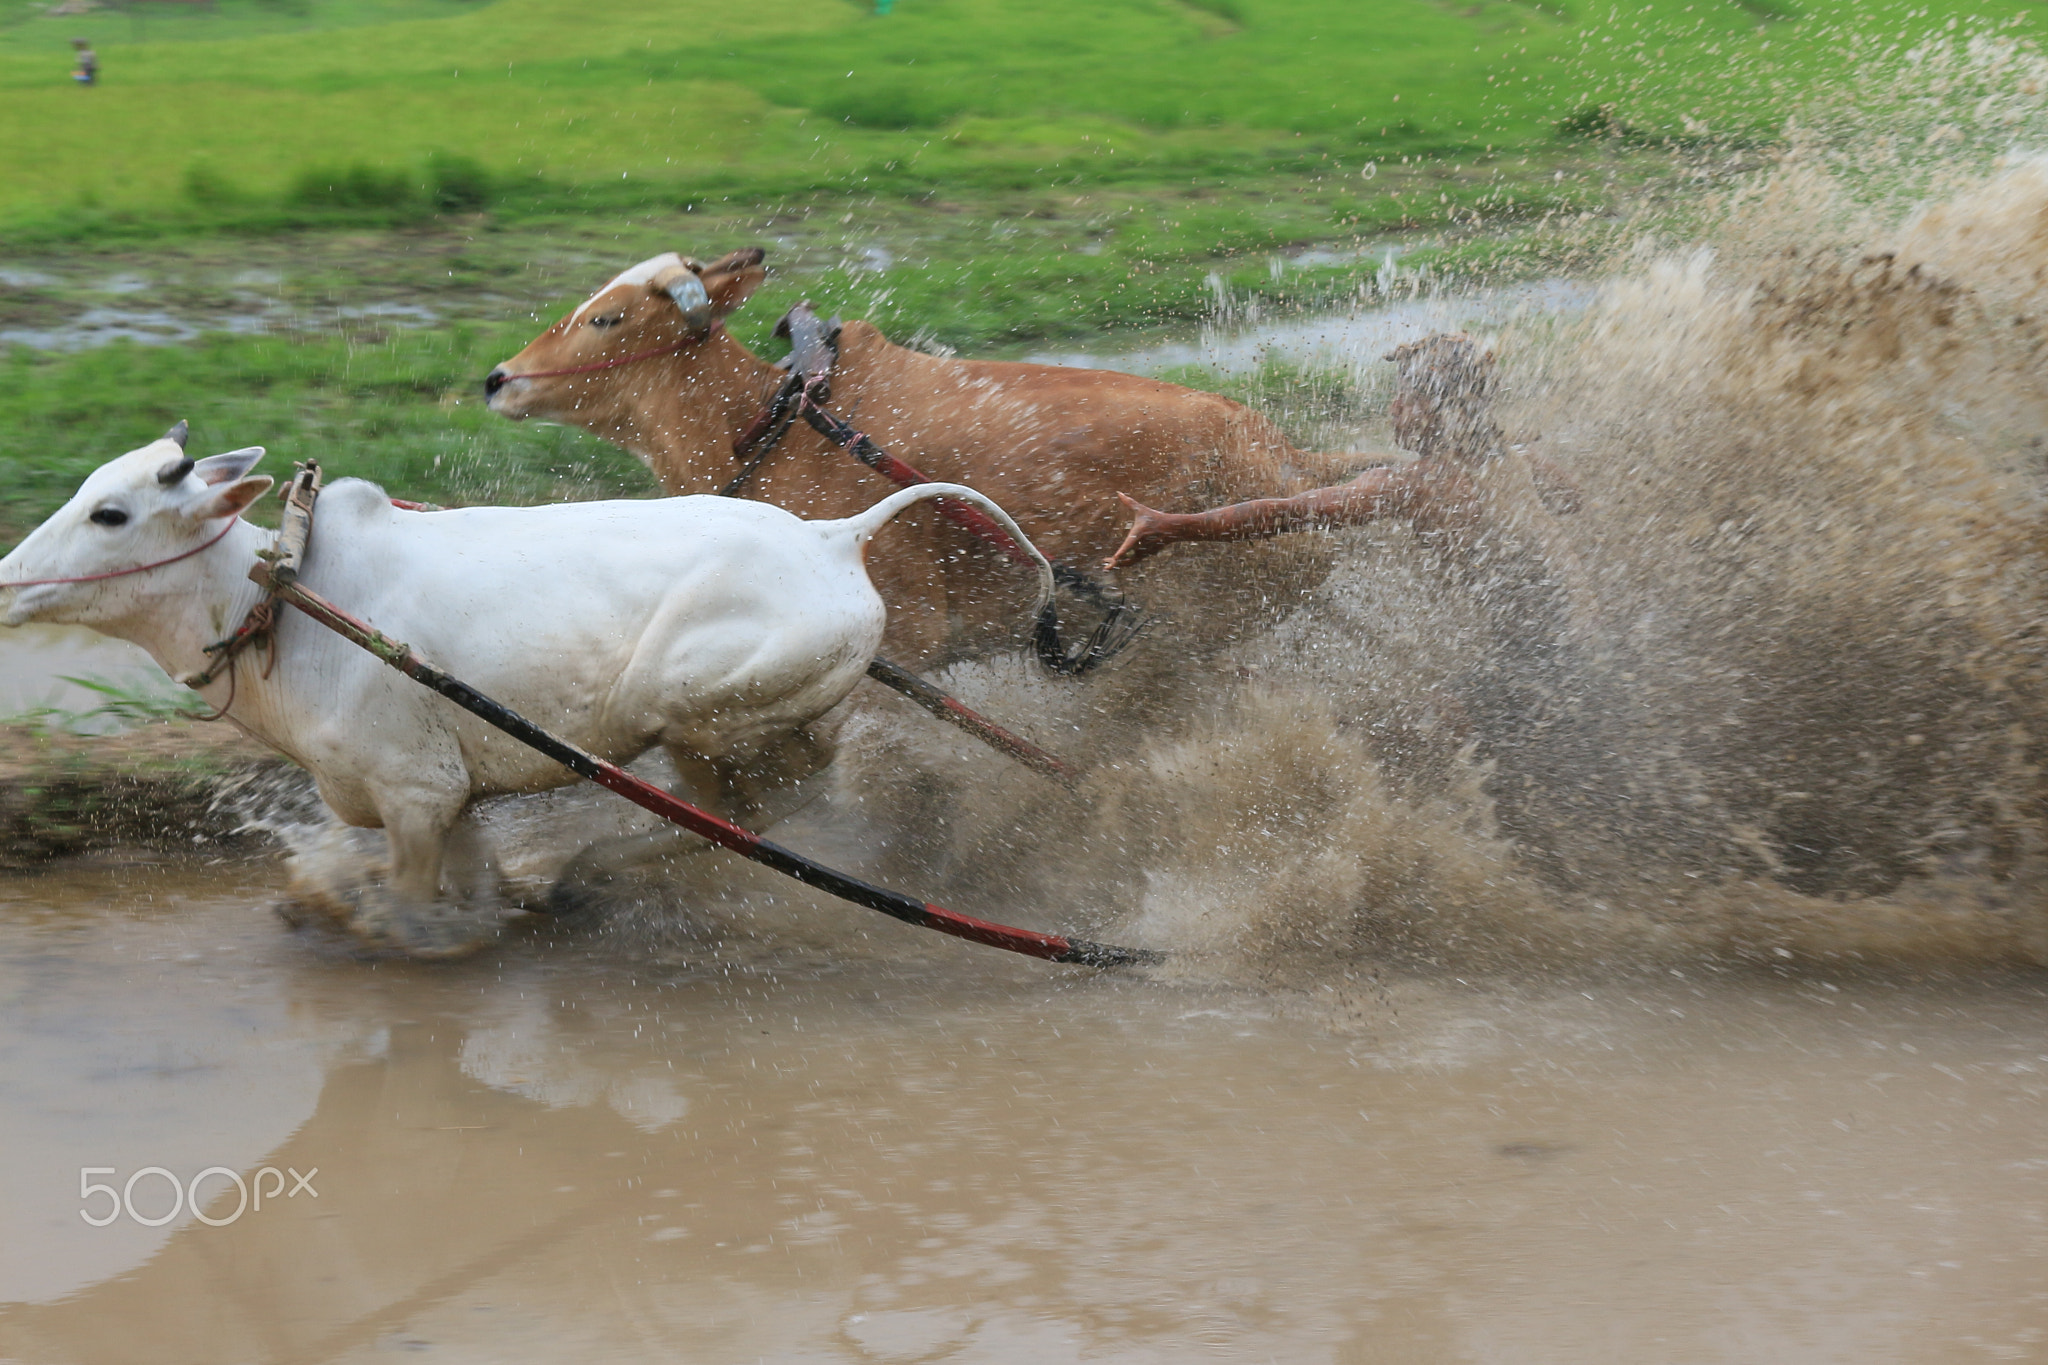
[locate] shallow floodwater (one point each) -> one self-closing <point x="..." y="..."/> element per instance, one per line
<point x="1237" y="344"/>
<point x="856" y="1143"/>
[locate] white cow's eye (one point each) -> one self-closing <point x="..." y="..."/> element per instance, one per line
<point x="109" y="516"/>
<point x="612" y="321"/>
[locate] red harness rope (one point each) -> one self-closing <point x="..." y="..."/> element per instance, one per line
<point x="609" y="364"/>
<point x="139" y="568"/>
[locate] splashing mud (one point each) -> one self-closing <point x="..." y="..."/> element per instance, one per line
<point x="1777" y="688"/>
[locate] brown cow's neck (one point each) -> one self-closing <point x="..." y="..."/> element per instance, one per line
<point x="683" y="405"/>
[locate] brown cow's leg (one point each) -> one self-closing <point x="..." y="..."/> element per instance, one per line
<point x="1431" y="493"/>
<point x="1556" y="489"/>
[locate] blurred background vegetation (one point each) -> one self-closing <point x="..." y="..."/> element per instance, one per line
<point x="989" y="175"/>
<point x="276" y="113"/>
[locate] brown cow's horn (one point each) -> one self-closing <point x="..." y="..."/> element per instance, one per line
<point x="174" y="471"/>
<point x="178" y="433"/>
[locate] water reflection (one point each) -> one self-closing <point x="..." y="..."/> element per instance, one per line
<point x="571" y="1152"/>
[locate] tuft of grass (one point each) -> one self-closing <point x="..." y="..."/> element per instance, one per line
<point x="124" y="708"/>
<point x="357" y="185"/>
<point x="458" y="183"/>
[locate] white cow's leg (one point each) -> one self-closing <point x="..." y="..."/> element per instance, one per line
<point x="584" y="883"/>
<point x="756" y="792"/>
<point x="408" y="912"/>
<point x="773" y="783"/>
<point x="469" y="870"/>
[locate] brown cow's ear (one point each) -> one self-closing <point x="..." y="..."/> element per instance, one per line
<point x="732" y="278"/>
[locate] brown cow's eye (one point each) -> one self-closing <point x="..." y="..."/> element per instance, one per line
<point x="612" y="321"/>
<point x="109" y="516"/>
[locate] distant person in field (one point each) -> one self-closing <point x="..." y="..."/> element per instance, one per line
<point x="87" y="72"/>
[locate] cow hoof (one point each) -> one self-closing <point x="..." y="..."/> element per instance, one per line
<point x="573" y="898"/>
<point x="430" y="933"/>
<point x="295" y="914"/>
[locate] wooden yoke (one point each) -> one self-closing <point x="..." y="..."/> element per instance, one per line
<point x="282" y="561"/>
<point x="277" y="565"/>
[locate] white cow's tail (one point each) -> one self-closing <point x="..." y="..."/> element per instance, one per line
<point x="865" y="524"/>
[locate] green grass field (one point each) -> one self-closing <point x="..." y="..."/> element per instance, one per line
<point x="1044" y="171"/>
<point x="275" y="112"/>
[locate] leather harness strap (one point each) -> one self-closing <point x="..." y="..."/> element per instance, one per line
<point x="814" y="348"/>
<point x="260" y="625"/>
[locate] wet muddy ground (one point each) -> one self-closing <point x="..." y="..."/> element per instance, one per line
<point x="366" y="285"/>
<point x="842" y="1141"/>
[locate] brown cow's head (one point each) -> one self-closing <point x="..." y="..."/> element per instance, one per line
<point x="660" y="306"/>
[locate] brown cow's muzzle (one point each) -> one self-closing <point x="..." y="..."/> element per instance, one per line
<point x="501" y="394"/>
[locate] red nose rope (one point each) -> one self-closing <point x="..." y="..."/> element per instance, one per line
<point x="608" y="364"/>
<point x="139" y="568"/>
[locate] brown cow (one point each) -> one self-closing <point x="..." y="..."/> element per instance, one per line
<point x="645" y="362"/>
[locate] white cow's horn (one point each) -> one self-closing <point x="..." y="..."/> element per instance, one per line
<point x="174" y="471"/>
<point x="177" y="433"/>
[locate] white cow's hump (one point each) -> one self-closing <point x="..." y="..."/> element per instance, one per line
<point x="352" y="500"/>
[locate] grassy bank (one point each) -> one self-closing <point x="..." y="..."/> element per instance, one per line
<point x="165" y="788"/>
<point x="279" y="114"/>
<point x="970" y="173"/>
<point x="980" y="273"/>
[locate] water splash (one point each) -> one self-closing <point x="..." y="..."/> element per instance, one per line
<point x="1777" y="690"/>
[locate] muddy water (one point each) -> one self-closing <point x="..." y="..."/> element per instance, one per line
<point x="853" y="1145"/>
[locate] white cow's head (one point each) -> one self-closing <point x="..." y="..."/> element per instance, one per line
<point x="149" y="506"/>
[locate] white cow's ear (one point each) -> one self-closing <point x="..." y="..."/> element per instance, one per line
<point x="229" y="499"/>
<point x="216" y="469"/>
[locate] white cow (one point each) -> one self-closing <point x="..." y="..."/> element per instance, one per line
<point x="715" y="628"/>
